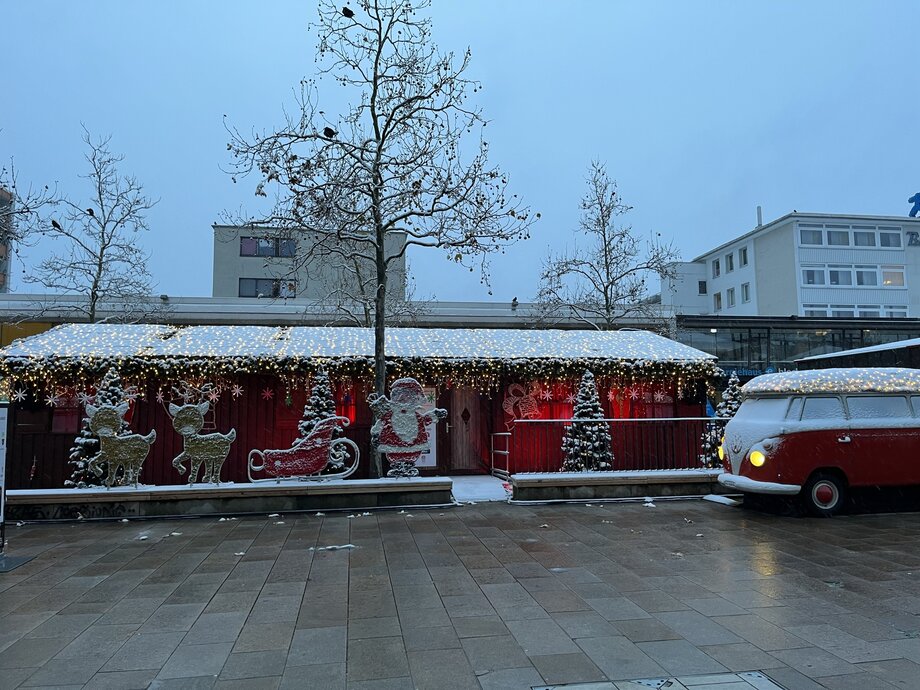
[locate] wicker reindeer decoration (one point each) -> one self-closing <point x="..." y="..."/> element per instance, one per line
<point x="210" y="450"/>
<point x="126" y="452"/>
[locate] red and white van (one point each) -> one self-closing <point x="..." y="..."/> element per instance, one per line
<point x="818" y="433"/>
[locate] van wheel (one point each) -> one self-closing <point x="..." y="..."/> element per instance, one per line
<point x="824" y="494"/>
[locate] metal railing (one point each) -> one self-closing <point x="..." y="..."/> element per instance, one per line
<point x="637" y="444"/>
<point x="502" y="453"/>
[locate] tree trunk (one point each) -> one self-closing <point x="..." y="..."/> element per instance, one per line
<point x="380" y="362"/>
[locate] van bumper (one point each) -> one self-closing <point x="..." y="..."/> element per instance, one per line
<point x="748" y="485"/>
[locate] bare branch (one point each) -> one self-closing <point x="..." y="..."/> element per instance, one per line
<point x="605" y="281"/>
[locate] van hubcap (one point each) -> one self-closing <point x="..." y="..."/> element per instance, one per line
<point x="825" y="494"/>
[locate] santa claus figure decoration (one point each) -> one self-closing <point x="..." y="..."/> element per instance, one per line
<point x="401" y="426"/>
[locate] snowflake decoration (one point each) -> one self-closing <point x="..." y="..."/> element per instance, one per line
<point x="546" y="394"/>
<point x="19" y="395"/>
<point x="214" y="395"/>
<point x="84" y="398"/>
<point x="131" y="396"/>
<point x="659" y="397"/>
<point x="186" y="395"/>
<point x="634" y="393"/>
<point x="236" y="391"/>
<point x="680" y="393"/>
<point x="570" y="399"/>
<point x="611" y="395"/>
<point x="160" y="397"/>
<point x="52" y="400"/>
<point x="268" y="394"/>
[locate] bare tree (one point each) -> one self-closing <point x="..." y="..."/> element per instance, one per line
<point x="18" y="205"/>
<point x="606" y="280"/>
<point x="96" y="243"/>
<point x="389" y="173"/>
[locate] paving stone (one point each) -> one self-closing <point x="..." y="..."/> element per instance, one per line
<point x="144" y="651"/>
<point x="423" y="639"/>
<point x="585" y="624"/>
<point x="619" y="658"/>
<point x="716" y="606"/>
<point x="318" y="646"/>
<point x="31" y="652"/>
<point x="196" y="660"/>
<point x="365" y="628"/>
<point x="645" y="630"/>
<point x="741" y="656"/>
<point x="254" y="665"/>
<point x="257" y="637"/>
<point x="173" y="617"/>
<point x="567" y="668"/>
<point x="97" y="640"/>
<point x="814" y="662"/>
<point x="695" y="626"/>
<point x="215" y="627"/>
<point x="263" y="683"/>
<point x="376" y="659"/>
<point x="480" y="626"/>
<point x="544" y="638"/>
<point x="503" y="679"/>
<point x="492" y="653"/>
<point x="441" y="668"/>
<point x="680" y="658"/>
<point x="617" y="608"/>
<point x="121" y="680"/>
<point x="325" y="676"/>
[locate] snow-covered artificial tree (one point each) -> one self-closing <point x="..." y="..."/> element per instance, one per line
<point x="725" y="410"/>
<point x="586" y="445"/>
<point x="320" y="406"/>
<point x="109" y="392"/>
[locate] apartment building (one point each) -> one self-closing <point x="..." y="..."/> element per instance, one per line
<point x="259" y="262"/>
<point x="807" y="265"/>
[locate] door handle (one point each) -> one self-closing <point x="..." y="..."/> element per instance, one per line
<point x="843" y="439"/>
<point x="447" y="427"/>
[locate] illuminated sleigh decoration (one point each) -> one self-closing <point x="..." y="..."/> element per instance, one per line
<point x="305" y="460"/>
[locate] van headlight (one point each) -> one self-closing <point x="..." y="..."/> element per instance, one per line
<point x="757" y="458"/>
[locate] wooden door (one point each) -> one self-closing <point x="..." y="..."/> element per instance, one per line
<point x="464" y="433"/>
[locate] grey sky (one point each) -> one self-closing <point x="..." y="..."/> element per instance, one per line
<point x="702" y="111"/>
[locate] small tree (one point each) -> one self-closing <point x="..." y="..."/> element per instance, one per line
<point x="96" y="251"/>
<point x="320" y="406"/>
<point x="725" y="410"/>
<point x="389" y="173"/>
<point x="586" y="445"/>
<point x="86" y="444"/>
<point x="606" y="280"/>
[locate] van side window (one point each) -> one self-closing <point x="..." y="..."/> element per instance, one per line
<point x="823" y="408"/>
<point x="915" y="400"/>
<point x="877" y="406"/>
<point x="795" y="409"/>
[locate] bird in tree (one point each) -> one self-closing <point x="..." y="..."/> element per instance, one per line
<point x="90" y="212"/>
<point x="328" y="132"/>
<point x="347" y="12"/>
<point x="56" y="225"/>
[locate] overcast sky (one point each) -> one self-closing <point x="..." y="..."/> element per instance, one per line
<point x="701" y="110"/>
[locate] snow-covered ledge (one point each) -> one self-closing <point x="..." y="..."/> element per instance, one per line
<point x="536" y="486"/>
<point x="205" y="499"/>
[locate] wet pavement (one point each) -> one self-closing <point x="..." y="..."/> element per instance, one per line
<point x="486" y="595"/>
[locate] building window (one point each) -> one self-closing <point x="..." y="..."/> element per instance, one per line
<point x="729" y="263"/>
<point x="701" y="287"/>
<point x="267" y="246"/>
<point x="889" y="239"/>
<point x="813" y="276"/>
<point x="893" y="276"/>
<point x="267" y="287"/>
<point x="863" y="238"/>
<point x="716" y="268"/>
<point x="840" y="275"/>
<point x="745" y="292"/>
<point x="815" y="309"/>
<point x="742" y="256"/>
<point x="810" y="236"/>
<point x="730" y="297"/>
<point x="838" y="238"/>
<point x="717" y="301"/>
<point x="869" y="310"/>
<point x="842" y="310"/>
<point x="867" y="276"/>
<point x="896" y="312"/>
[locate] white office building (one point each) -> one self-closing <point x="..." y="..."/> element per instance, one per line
<point x="806" y="264"/>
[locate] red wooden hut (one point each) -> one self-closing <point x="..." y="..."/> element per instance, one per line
<point x="260" y="377"/>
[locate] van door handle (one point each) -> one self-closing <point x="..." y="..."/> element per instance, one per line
<point x="843" y="439"/>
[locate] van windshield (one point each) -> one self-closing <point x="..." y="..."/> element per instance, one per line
<point x="763" y="409"/>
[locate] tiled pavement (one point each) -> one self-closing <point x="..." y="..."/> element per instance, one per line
<point x="485" y="595"/>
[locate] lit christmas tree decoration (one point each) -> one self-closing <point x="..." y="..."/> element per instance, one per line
<point x="586" y="445"/>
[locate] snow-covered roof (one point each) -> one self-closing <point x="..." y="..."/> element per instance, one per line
<point x="897" y="345"/>
<point x="127" y="341"/>
<point x="852" y="380"/>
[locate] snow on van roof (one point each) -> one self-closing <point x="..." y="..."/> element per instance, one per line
<point x="853" y="380"/>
